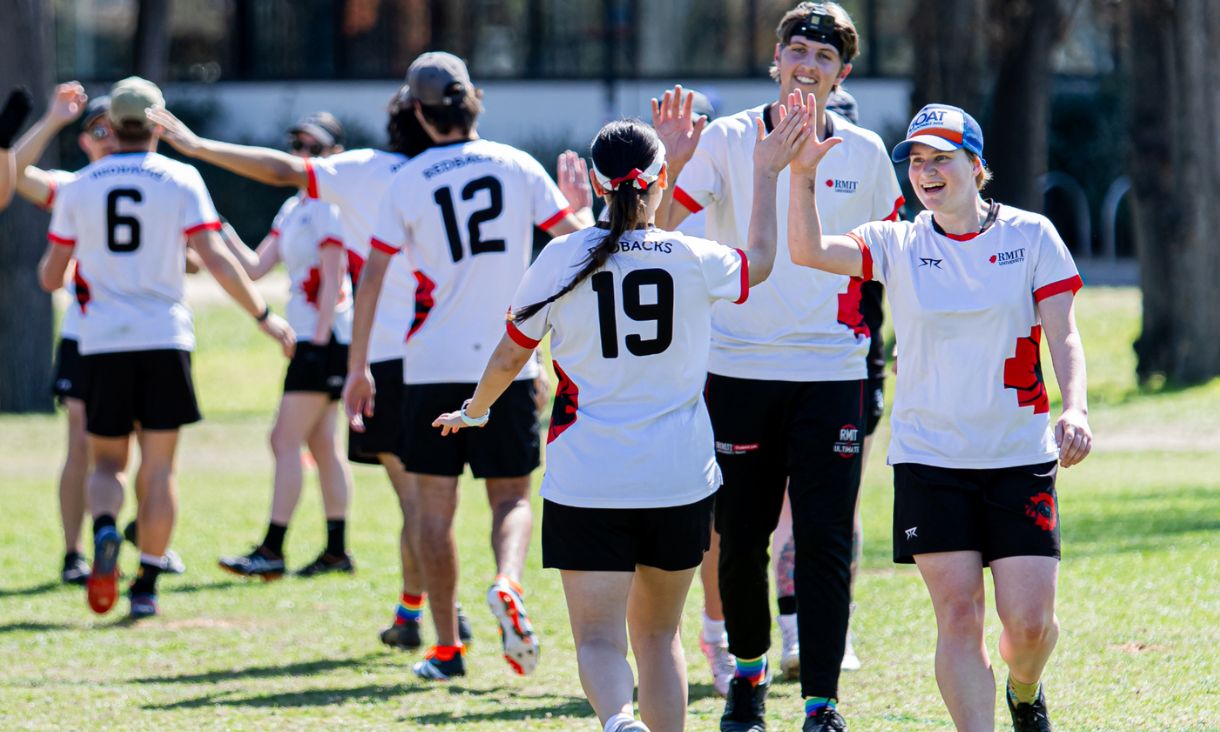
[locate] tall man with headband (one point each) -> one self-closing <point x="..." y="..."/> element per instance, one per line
<point x="785" y="390"/>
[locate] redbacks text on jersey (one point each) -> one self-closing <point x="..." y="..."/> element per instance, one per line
<point x="465" y="214"/>
<point x="630" y="345"/>
<point x="127" y="218"/>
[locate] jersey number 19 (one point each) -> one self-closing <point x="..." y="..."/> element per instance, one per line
<point x="661" y="312"/>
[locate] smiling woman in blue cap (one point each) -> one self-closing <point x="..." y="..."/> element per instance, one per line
<point x="973" y="286"/>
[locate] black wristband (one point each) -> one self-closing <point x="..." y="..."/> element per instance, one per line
<point x="262" y="318"/>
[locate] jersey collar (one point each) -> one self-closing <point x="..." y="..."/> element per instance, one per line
<point x="993" y="211"/>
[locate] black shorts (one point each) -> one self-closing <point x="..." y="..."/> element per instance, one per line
<point x="506" y="448"/>
<point x="618" y="539"/>
<point x="318" y="368"/>
<point x="874" y="403"/>
<point x="151" y="388"/>
<point x="383" y="431"/>
<point x="998" y="512"/>
<point x="69" y="380"/>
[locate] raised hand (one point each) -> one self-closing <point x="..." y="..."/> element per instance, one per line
<point x="671" y="118"/>
<point x="174" y="131"/>
<point x="773" y="152"/>
<point x="813" y="149"/>
<point x="67" y="104"/>
<point x="573" y="175"/>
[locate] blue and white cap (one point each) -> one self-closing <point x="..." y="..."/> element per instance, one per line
<point x="942" y="127"/>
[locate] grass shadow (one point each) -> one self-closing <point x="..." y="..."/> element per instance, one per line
<point x="41" y="589"/>
<point x="572" y="707"/>
<point x="308" y="698"/>
<point x="34" y="627"/>
<point x="1148" y="520"/>
<point x="174" y="587"/>
<point x="300" y="668"/>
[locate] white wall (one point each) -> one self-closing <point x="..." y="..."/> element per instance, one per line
<point x="518" y="112"/>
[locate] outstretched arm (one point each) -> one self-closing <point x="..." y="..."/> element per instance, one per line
<point x="263" y="164"/>
<point x="67" y="105"/>
<point x="503" y="366"/>
<point x="256" y="263"/>
<point x="1072" y="432"/>
<point x="233" y="280"/>
<point x="679" y="132"/>
<point x="772" y="153"/>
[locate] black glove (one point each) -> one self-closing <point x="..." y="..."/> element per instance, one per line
<point x="16" y="109"/>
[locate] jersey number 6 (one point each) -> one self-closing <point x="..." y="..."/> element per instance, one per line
<point x="114" y="220"/>
<point x="661" y="311"/>
<point x="444" y="199"/>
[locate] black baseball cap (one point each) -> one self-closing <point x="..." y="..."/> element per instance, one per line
<point x="438" y="79"/>
<point x="97" y="107"/>
<point x="321" y="126"/>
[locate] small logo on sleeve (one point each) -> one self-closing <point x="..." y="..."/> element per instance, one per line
<point x="848" y="444"/>
<point x="1011" y="257"/>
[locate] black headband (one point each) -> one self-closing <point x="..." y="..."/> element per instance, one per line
<point x="818" y="26"/>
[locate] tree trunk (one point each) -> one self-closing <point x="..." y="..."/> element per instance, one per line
<point x="949" y="64"/>
<point x="152" y="40"/>
<point x="1174" y="154"/>
<point x="25" y="310"/>
<point x="1019" y="120"/>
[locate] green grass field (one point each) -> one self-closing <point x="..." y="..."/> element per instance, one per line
<point x="1139" y="602"/>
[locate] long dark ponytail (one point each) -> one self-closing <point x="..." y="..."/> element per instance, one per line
<point x="619" y="148"/>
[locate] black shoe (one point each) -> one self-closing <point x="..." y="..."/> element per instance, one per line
<point x="464" y="634"/>
<point x="326" y="563"/>
<point x="129" y="533"/>
<point x="258" y="563"/>
<point x="434" y="669"/>
<point x="76" y="570"/>
<point x="745" y="706"/>
<point x="1029" y="717"/>
<point x="402" y="635"/>
<point x="827" y="719"/>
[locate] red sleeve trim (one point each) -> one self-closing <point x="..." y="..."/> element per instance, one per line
<point x="520" y="338"/>
<point x="897" y="205"/>
<point x="866" y="257"/>
<point x="205" y="226"/>
<point x="330" y="241"/>
<point x="62" y="241"/>
<point x="311" y="189"/>
<point x="382" y="246"/>
<point x="1071" y="284"/>
<point x="273" y="232"/>
<point x="52" y="190"/>
<point x="745" y="277"/>
<point x="685" y="199"/>
<point x="559" y="216"/>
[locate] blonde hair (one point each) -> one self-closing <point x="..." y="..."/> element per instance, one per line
<point x="983" y="176"/>
<point x="844" y="27"/>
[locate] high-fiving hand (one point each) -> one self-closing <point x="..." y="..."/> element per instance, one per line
<point x="773" y="152"/>
<point x="671" y="118"/>
<point x="813" y="149"/>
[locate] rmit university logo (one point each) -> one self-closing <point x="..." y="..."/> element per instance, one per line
<point x="842" y="186"/>
<point x="848" y="444"/>
<point x="1003" y="258"/>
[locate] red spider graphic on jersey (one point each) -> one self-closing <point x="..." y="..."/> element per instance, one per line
<point x="849" y="308"/>
<point x="563" y="414"/>
<point x="424" y="300"/>
<point x="355" y="263"/>
<point x="82" y="290"/>
<point x="311" y="285"/>
<point x="1041" y="509"/>
<point x="1023" y="372"/>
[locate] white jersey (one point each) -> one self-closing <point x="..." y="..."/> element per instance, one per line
<point x="355" y="181"/>
<point x="77" y="288"/>
<point x="303" y="227"/>
<point x="630" y="345"/>
<point x="970" y="392"/>
<point x="801" y="324"/>
<point x="465" y="213"/>
<point x="127" y="217"/>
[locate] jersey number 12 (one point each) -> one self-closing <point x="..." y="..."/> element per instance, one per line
<point x="478" y="245"/>
<point x="661" y="312"/>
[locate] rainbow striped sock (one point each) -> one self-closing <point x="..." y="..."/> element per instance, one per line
<point x="754" y="669"/>
<point x="410" y="607"/>
<point x="815" y="704"/>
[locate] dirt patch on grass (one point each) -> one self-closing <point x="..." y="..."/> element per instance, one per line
<point x="1136" y="648"/>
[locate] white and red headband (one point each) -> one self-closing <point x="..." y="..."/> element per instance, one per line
<point x="641" y="179"/>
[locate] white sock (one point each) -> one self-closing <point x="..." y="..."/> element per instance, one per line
<point x="150" y="559"/>
<point x="713" y="630"/>
<point x="617" y="721"/>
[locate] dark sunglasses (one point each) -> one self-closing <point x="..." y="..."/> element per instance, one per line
<point x="99" y="132"/>
<point x="314" y="149"/>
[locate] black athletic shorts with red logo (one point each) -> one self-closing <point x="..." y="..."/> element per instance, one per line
<point x="998" y="512"/>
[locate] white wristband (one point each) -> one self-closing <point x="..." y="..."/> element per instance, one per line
<point x="473" y="421"/>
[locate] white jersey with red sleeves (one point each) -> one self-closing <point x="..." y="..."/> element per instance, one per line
<point x="355" y="181"/>
<point x="970" y="392"/>
<point x="465" y="213"/>
<point x="630" y="344"/>
<point x="127" y="218"/>
<point x="303" y="227"/>
<point x="801" y="324"/>
<point x="70" y="327"/>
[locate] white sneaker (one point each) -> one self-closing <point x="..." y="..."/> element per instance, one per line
<point x="851" y="662"/>
<point x="790" y="658"/>
<point x="721" y="662"/>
